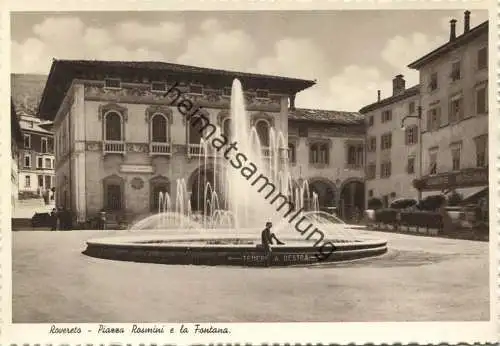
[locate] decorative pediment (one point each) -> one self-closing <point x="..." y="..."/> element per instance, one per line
<point x="198" y="112"/>
<point x="113" y="179"/>
<point x="311" y="141"/>
<point x="261" y="115"/>
<point x="160" y="179"/>
<point x="155" y="109"/>
<point x="112" y="107"/>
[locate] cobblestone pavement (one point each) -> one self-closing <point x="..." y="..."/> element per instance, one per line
<point x="419" y="279"/>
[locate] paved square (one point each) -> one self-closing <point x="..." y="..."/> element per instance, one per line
<point x="419" y="279"/>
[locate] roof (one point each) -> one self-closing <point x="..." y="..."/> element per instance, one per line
<point x="63" y="72"/>
<point x="38" y="126"/>
<point x="26" y="92"/>
<point x="409" y="92"/>
<point x="326" y="116"/>
<point x="15" y="128"/>
<point x="450" y="45"/>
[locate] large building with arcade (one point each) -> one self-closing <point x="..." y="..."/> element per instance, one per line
<point x="120" y="141"/>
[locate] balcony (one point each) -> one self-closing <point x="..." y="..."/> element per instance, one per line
<point x="198" y="150"/>
<point x="161" y="149"/>
<point x="113" y="147"/>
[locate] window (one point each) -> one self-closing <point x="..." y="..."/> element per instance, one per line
<point x="370" y="120"/>
<point x="482" y="100"/>
<point x="386" y="115"/>
<point x="385" y="170"/>
<point x="455" y="155"/>
<point x="39" y="162"/>
<point x="292" y="153"/>
<point x="411" y="107"/>
<point x="318" y="153"/>
<point x="481" y="150"/>
<point x="48" y="163"/>
<point x="411" y="135"/>
<point x="40" y="181"/>
<point x="385" y="201"/>
<point x="372" y="144"/>
<point x="27" y="181"/>
<point x="226" y="91"/>
<point x="159" y="128"/>
<point x="48" y="181"/>
<point x="158" y="86"/>
<point x="27" y="161"/>
<point x="433" y="161"/>
<point x="355" y="156"/>
<point x="196" y="89"/>
<point x="262" y="127"/>
<point x="303" y="131"/>
<point x="113" y="127"/>
<point x="44" y="145"/>
<point x="226" y="127"/>
<point x="433" y="119"/>
<point x="371" y="171"/>
<point x="433" y="83"/>
<point x="456" y="109"/>
<point x="482" y="58"/>
<point x="27" y="141"/>
<point x="370" y="193"/>
<point x="112" y="83"/>
<point x="262" y="94"/>
<point x="410" y="166"/>
<point x="386" y="141"/>
<point x="455" y="71"/>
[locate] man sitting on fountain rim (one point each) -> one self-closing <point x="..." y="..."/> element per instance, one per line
<point x="267" y="238"/>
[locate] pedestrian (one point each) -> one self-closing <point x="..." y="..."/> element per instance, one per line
<point x="53" y="219"/>
<point x="102" y="220"/>
<point x="267" y="238"/>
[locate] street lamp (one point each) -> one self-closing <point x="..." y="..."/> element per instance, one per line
<point x="419" y="117"/>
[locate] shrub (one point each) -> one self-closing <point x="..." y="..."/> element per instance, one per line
<point x="454" y="199"/>
<point x="403" y="203"/>
<point x="375" y="203"/>
<point x="386" y="216"/>
<point x="422" y="219"/>
<point x="431" y="203"/>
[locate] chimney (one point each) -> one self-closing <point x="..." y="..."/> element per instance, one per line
<point x="398" y="85"/>
<point x="378" y="95"/>
<point x="453" y="31"/>
<point x="466" y="21"/>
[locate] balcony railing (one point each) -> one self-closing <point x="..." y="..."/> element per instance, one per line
<point x="160" y="149"/>
<point x="196" y="150"/>
<point x="113" y="147"/>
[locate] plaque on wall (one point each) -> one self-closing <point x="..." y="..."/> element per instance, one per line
<point x="137" y="183"/>
<point x="136" y="169"/>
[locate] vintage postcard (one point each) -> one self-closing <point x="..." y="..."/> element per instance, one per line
<point x="277" y="172"/>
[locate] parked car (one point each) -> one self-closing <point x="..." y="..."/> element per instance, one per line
<point x="41" y="220"/>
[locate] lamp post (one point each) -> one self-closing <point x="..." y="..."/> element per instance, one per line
<point x="419" y="117"/>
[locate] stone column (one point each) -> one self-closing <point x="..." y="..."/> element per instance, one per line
<point x="283" y="121"/>
<point x="77" y="114"/>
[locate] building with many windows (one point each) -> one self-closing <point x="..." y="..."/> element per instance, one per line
<point x="432" y="138"/>
<point x="454" y="99"/>
<point x="327" y="148"/>
<point x="392" y="150"/>
<point x="16" y="144"/>
<point x="120" y="140"/>
<point x="36" y="158"/>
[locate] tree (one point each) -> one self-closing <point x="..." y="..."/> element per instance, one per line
<point x="455" y="199"/>
<point x="375" y="203"/>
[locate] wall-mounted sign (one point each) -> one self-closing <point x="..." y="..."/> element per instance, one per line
<point x="137" y="183"/>
<point x="136" y="169"/>
<point x="465" y="178"/>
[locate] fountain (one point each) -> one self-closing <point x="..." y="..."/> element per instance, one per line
<point x="227" y="228"/>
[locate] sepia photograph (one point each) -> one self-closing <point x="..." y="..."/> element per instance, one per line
<point x="249" y="166"/>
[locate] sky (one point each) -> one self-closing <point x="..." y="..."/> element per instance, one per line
<point x="351" y="54"/>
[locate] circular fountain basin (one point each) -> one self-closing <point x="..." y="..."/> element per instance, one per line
<point x="219" y="249"/>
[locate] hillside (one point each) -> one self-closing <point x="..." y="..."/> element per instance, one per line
<point x="26" y="91"/>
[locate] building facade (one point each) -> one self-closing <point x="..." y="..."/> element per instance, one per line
<point x="36" y="158"/>
<point x="454" y="98"/>
<point x="392" y="147"/>
<point x="16" y="144"/>
<point x="327" y="149"/>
